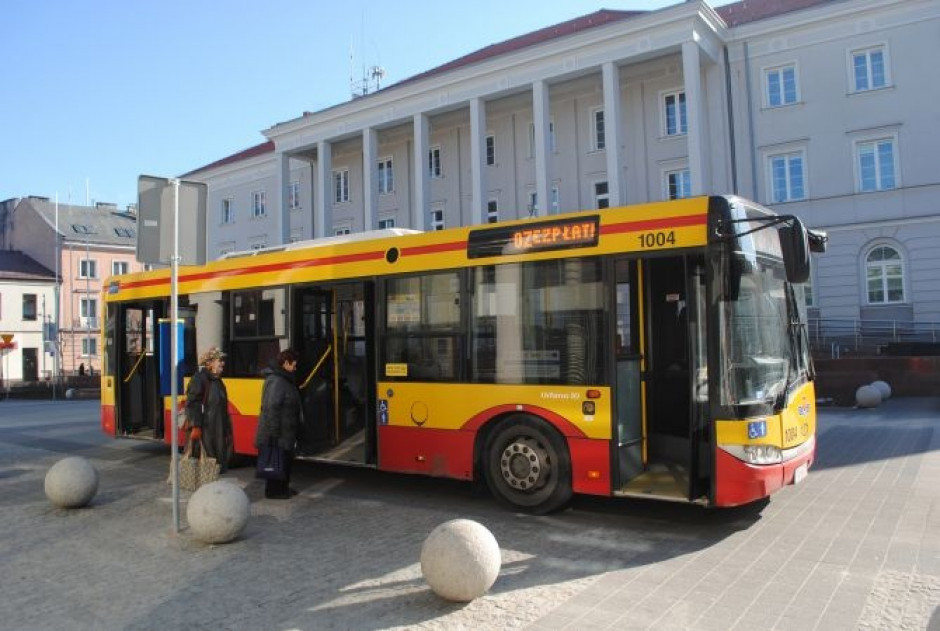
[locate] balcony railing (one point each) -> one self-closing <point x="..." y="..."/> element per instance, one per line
<point x="836" y="337"/>
<point x="85" y="323"/>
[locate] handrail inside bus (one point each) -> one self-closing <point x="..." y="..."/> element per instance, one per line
<point x="134" y="368"/>
<point x="316" y="368"/>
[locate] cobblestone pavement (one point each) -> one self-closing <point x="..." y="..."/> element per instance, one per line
<point x="855" y="546"/>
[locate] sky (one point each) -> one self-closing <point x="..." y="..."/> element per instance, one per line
<point x="95" y="93"/>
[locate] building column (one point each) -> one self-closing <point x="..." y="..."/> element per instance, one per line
<point x="279" y="203"/>
<point x="370" y="182"/>
<point x="478" y="159"/>
<point x="695" y="111"/>
<point x="323" y="192"/>
<point x="541" y="117"/>
<point x="422" y="182"/>
<point x="612" y="132"/>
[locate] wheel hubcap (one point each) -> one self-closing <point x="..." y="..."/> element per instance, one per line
<point x="524" y="464"/>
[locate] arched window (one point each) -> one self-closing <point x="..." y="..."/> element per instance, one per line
<point x="884" y="275"/>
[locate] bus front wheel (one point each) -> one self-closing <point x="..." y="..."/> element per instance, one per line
<point x="527" y="466"/>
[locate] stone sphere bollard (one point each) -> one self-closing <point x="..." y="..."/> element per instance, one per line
<point x="883" y="388"/>
<point x="69" y="393"/>
<point x="867" y="397"/>
<point x="460" y="560"/>
<point x="218" y="512"/>
<point x="71" y="482"/>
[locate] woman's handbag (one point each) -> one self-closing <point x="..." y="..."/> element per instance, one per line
<point x="271" y="461"/>
<point x="194" y="472"/>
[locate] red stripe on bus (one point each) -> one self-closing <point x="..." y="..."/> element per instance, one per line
<point x="261" y="269"/>
<point x="654" y="224"/>
<point x="435" y="248"/>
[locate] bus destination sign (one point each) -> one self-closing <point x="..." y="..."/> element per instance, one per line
<point x="539" y="236"/>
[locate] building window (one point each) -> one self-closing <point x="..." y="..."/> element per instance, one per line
<point x="387" y="223"/>
<point x="601" y="195"/>
<point x="674" y="115"/>
<point x="490" y="142"/>
<point x="434" y="162"/>
<point x="228" y="211"/>
<point x="869" y="69"/>
<point x="88" y="310"/>
<point x="386" y="177"/>
<point x="437" y="219"/>
<point x="556" y="195"/>
<point x="89" y="347"/>
<point x="341" y="186"/>
<point x="551" y="138"/>
<point x="29" y="307"/>
<point x="259" y="244"/>
<point x="786" y="178"/>
<point x="258" y="204"/>
<point x="492" y="211"/>
<point x="119" y="267"/>
<point x="678" y="184"/>
<point x="809" y="296"/>
<point x="88" y="268"/>
<point x="533" y="205"/>
<point x="598" y="133"/>
<point x="125" y="232"/>
<point x="293" y="196"/>
<point x="876" y="165"/>
<point x="884" y="275"/>
<point x="781" y="86"/>
<point x="342" y="230"/>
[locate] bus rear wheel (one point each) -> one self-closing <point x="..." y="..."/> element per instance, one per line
<point x="527" y="466"/>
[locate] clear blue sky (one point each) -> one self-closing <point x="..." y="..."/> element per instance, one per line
<point x="95" y="93"/>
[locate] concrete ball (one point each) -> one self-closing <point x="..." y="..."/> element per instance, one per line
<point x="69" y="393"/>
<point x="867" y="397"/>
<point x="460" y="560"/>
<point x="71" y="482"/>
<point x="883" y="388"/>
<point x="218" y="512"/>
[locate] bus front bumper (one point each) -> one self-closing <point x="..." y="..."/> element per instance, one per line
<point x="737" y="482"/>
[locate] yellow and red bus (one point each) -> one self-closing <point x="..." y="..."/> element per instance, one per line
<point x="655" y="350"/>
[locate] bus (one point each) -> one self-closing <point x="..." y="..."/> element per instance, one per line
<point x="655" y="350"/>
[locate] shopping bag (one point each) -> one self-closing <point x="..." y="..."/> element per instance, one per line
<point x="194" y="472"/>
<point x="271" y="462"/>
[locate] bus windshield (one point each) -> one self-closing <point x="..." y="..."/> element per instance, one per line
<point x="756" y="345"/>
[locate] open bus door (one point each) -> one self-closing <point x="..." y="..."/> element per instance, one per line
<point x="334" y="334"/>
<point x="660" y="425"/>
<point x="138" y="406"/>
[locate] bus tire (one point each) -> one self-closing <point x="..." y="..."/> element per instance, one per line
<point x="527" y="466"/>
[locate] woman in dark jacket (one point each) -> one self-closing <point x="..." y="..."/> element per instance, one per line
<point x="207" y="408"/>
<point x="280" y="418"/>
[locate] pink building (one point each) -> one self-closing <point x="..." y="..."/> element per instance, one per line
<point x="94" y="243"/>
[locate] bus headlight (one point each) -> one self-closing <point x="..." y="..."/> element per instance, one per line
<point x="755" y="454"/>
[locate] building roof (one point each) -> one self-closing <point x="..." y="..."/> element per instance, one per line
<point x="746" y="11"/>
<point x="95" y="225"/>
<point x="16" y="266"/>
<point x="734" y="14"/>
<point x="257" y="150"/>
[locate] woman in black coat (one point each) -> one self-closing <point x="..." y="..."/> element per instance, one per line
<point x="207" y="408"/>
<point x="281" y="412"/>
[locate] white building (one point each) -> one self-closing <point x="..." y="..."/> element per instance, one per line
<point x="27" y="308"/>
<point x="819" y="108"/>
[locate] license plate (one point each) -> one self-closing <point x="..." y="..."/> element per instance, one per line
<point x="800" y="474"/>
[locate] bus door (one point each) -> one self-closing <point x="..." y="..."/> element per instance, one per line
<point x="333" y="334"/>
<point x="658" y="427"/>
<point x="138" y="405"/>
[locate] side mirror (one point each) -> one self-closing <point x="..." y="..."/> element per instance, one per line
<point x="794" y="243"/>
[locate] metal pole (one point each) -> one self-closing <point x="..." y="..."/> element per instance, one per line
<point x="174" y="352"/>
<point x="88" y="308"/>
<point x="55" y="331"/>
